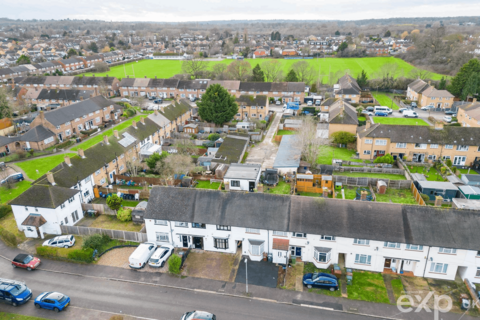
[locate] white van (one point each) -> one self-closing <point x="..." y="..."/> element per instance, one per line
<point x="140" y="256"/>
<point x="383" y="109"/>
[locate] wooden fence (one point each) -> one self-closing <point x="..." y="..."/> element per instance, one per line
<point x="365" y="182"/>
<point x="369" y="170"/>
<point x="417" y="195"/>
<point x="114" y="234"/>
<point x="145" y="180"/>
<point x="101" y="208"/>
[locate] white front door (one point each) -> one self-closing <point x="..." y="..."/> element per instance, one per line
<point x="459" y="160"/>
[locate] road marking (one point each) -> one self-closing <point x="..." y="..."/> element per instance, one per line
<point x="317" y="307"/>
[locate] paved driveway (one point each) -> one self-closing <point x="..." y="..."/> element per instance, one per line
<point x="261" y="273"/>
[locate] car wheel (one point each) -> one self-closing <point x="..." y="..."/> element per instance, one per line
<point x="14" y="304"/>
<point x="163" y="264"/>
<point x="332" y="289"/>
<point x="14" y="265"/>
<point x="309" y="286"/>
<point x="66" y="247"/>
<point x="56" y="309"/>
<point x="37" y="306"/>
<point x="29" y="269"/>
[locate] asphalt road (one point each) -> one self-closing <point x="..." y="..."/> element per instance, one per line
<point x="147" y="301"/>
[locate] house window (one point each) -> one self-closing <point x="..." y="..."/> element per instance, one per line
<point x="395" y="245"/>
<point x="380" y="142"/>
<point x="446" y="157"/>
<point x="250" y="230"/>
<point x="462" y="148"/>
<point x="224" y="228"/>
<point x="299" y="235"/>
<point x="234" y="183"/>
<point x="367" y="141"/>
<point x="367" y="152"/>
<point x="102" y="182"/>
<point x="198" y="225"/>
<point x="447" y="250"/>
<point x="181" y="224"/>
<point x="61" y="206"/>
<point x="438" y="267"/>
<point x="414" y="247"/>
<point x="327" y="238"/>
<point x="160" y="222"/>
<point x="363" y="259"/>
<point x="362" y="242"/>
<point x="420" y="146"/>
<point x="434" y="146"/>
<point x="26" y="208"/>
<point x="478" y="272"/>
<point x="71" y="199"/>
<point x="401" y="145"/>
<point x="432" y="157"/>
<point x="75" y="216"/>
<point x="256" y="247"/>
<point x="97" y="172"/>
<point x="66" y="220"/>
<point x="449" y="146"/>
<point x="220" y="243"/>
<point x="162" y="237"/>
<point x="322" y="254"/>
<point x="280" y="233"/>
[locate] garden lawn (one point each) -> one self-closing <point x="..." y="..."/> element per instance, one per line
<point x="403" y="196"/>
<point x="99" y="137"/>
<point x="465" y="171"/>
<point x="106" y="221"/>
<point x="385" y="100"/>
<point x="13" y="316"/>
<point x="400" y="121"/>
<point x="285" y="132"/>
<point x="431" y="175"/>
<point x="8" y="223"/>
<point x="371" y="175"/>
<point x="127" y="203"/>
<point x="368" y="286"/>
<point x="350" y="193"/>
<point x="354" y="66"/>
<point x="207" y="185"/>
<point x="397" y="287"/>
<point x="9" y="194"/>
<point x="328" y="153"/>
<point x="43" y="165"/>
<point x="281" y="188"/>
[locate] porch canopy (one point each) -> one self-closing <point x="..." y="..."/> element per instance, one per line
<point x="34" y="220"/>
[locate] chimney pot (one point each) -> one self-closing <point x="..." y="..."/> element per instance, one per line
<point x="156" y="112"/>
<point x="438" y="125"/>
<point x="134" y="124"/>
<point x="115" y="133"/>
<point x="81" y="153"/>
<point x="67" y="160"/>
<point x="50" y="178"/>
<point x="105" y="139"/>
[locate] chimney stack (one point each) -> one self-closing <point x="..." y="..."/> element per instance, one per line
<point x="438" y="125"/>
<point x="115" y="133"/>
<point x="134" y="124"/>
<point x="67" y="160"/>
<point x="50" y="178"/>
<point x="142" y="120"/>
<point x="429" y="82"/>
<point x="105" y="139"/>
<point x="155" y="112"/>
<point x="81" y="153"/>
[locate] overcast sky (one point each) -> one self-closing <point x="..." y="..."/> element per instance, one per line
<point x="206" y="10"/>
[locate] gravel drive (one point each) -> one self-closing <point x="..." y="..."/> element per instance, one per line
<point x="119" y="258"/>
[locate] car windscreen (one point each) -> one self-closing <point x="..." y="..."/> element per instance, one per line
<point x="18" y="289"/>
<point x="27" y="259"/>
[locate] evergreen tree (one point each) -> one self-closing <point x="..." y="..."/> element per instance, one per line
<point x="23" y="59"/>
<point x="388" y="33"/>
<point x="362" y="79"/>
<point x="278" y="36"/>
<point x="72" y="52"/>
<point x="291" y="76"/>
<point x="217" y="105"/>
<point x="442" y="85"/>
<point x="94" y="47"/>
<point x="337" y="33"/>
<point x="272" y="36"/>
<point x="472" y="86"/>
<point x="458" y="82"/>
<point x="313" y="88"/>
<point x="342" y="47"/>
<point x="258" y="75"/>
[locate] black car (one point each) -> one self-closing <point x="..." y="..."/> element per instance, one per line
<point x="450" y="112"/>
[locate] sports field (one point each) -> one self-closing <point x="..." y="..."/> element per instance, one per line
<point x="385" y="100"/>
<point x="322" y="66"/>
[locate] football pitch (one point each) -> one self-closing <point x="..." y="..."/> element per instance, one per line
<point x="323" y="67"/>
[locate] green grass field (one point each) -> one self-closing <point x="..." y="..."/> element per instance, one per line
<point x="400" y="121"/>
<point x="42" y="165"/>
<point x="281" y="188"/>
<point x="385" y="100"/>
<point x="432" y="174"/>
<point x="404" y="196"/>
<point x="99" y="137"/>
<point x="322" y="66"/>
<point x="9" y="194"/>
<point x="328" y="153"/>
<point x="371" y="175"/>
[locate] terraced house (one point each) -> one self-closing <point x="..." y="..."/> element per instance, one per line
<point x="171" y="117"/>
<point x="250" y="107"/>
<point x="348" y="89"/>
<point x="427" y="95"/>
<point x="412" y="240"/>
<point x="420" y="143"/>
<point x="468" y="115"/>
<point x="47" y="99"/>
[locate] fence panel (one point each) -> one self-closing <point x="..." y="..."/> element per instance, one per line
<point x="114" y="234"/>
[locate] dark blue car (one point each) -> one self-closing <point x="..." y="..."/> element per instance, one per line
<point x="52" y="300"/>
<point x="320" y="280"/>
<point x="381" y="114"/>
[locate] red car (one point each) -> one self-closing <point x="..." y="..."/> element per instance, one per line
<point x="26" y="261"/>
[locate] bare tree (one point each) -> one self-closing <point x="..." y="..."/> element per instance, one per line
<point x="175" y="164"/>
<point x="311" y="143"/>
<point x="420" y="74"/>
<point x="6" y="103"/>
<point x="133" y="166"/>
<point x="273" y="70"/>
<point x="139" y="101"/>
<point x="194" y="66"/>
<point x="304" y="71"/>
<point x="239" y="70"/>
<point x="101" y="67"/>
<point x="219" y="71"/>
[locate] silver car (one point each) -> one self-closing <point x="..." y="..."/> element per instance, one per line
<point x="160" y="256"/>
<point x="61" y="241"/>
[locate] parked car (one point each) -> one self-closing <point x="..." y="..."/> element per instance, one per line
<point x="383" y="109"/>
<point x="427" y="108"/>
<point x="160" y="256"/>
<point x="151" y="98"/>
<point x="25" y="261"/>
<point x="450" y="112"/>
<point x="371" y="109"/>
<point x="52" y="300"/>
<point x="309" y="103"/>
<point x="367" y="113"/>
<point x="139" y="258"/>
<point x="16" y="177"/>
<point x="320" y="280"/>
<point x="125" y="100"/>
<point x="14" y="292"/>
<point x="410" y="114"/>
<point x="401" y="110"/>
<point x="413" y="104"/>
<point x="278" y="102"/>
<point x="61" y="241"/>
<point x="381" y="114"/>
<point x="194" y="315"/>
<point x="447" y="119"/>
<point x="158" y="101"/>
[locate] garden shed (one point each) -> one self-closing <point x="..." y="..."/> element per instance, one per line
<point x="470" y="192"/>
<point x="437" y="188"/>
<point x="381" y="187"/>
<point x="471" y="179"/>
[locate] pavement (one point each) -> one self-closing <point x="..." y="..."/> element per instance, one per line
<point x="266" y="152"/>
<point x="103" y="289"/>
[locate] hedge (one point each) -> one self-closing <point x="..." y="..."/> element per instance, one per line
<point x="4" y="210"/>
<point x="89" y="132"/>
<point x="47" y="251"/>
<point x="81" y="255"/>
<point x="174" y="264"/>
<point x="8" y="237"/>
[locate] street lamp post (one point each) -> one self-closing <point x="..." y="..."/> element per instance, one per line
<point x="246" y="273"/>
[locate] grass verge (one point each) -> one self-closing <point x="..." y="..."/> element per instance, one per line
<point x="400" y="121"/>
<point x="36" y="168"/>
<point x="9" y="194"/>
